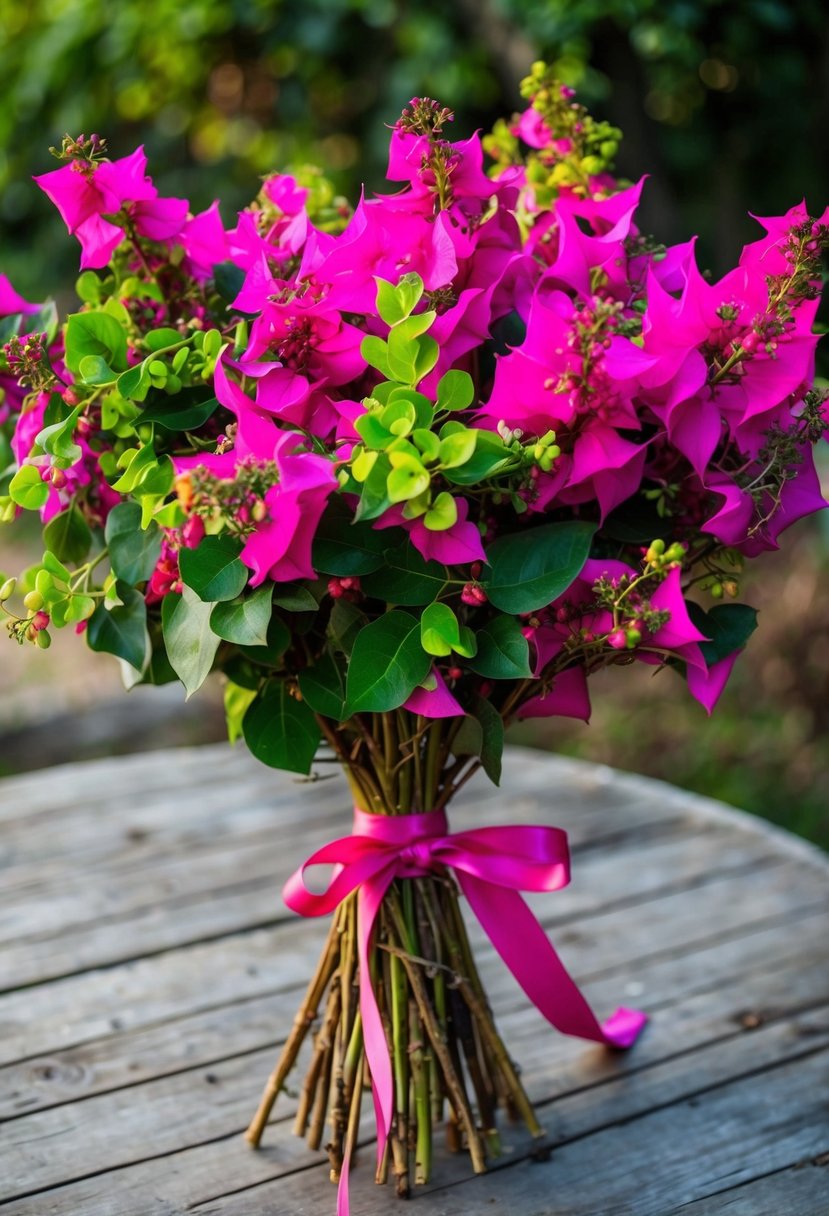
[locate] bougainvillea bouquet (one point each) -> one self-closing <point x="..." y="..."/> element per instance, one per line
<point x="403" y="474"/>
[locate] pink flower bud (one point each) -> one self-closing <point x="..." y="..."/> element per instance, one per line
<point x="39" y="621"/>
<point x="618" y="639"/>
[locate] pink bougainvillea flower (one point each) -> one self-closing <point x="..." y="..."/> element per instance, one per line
<point x="567" y="698"/>
<point x="11" y="302"/>
<point x="84" y="196"/>
<point x="280" y="547"/>
<point x="706" y="685"/>
<point x="455" y="546"/>
<point x="532" y="129"/>
<point x="204" y="241"/>
<point x="385" y="243"/>
<point x="435" y="702"/>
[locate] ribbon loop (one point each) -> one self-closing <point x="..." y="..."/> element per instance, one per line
<point x="493" y="865"/>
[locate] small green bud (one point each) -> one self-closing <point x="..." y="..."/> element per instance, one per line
<point x="633" y="636"/>
<point x="34" y="601"/>
<point x="717" y="590"/>
<point x="608" y="148"/>
<point x="7" y="590"/>
<point x="43" y="639"/>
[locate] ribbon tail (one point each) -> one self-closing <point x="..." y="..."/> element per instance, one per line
<point x="527" y="951"/>
<point x="369" y="898"/>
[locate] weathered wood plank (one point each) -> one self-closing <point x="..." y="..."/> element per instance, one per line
<point x="801" y="1190"/>
<point x="759" y="967"/>
<point x="184" y="1112"/>
<point x="135" y="1079"/>
<point x="648" y="1166"/>
<point x="189" y="899"/>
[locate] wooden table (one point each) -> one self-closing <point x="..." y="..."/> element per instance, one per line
<point x="148" y="969"/>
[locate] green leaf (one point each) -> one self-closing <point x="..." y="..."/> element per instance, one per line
<point x="439" y="629"/>
<point x="503" y="651"/>
<point x="79" y="608"/>
<point x="490" y="456"/>
<point x="277" y="641"/>
<point x="406" y="578"/>
<point x="344" y="624"/>
<point x="442" y="514"/>
<point x="530" y="569"/>
<point x="134" y="382"/>
<point x="245" y="620"/>
<point x="482" y="734"/>
<point x="28" y="489"/>
<point x="294" y="597"/>
<point x="228" y="279"/>
<point x="457" y="449"/>
<point x="346" y="549"/>
<point x="428" y="353"/>
<point x="68" y="536"/>
<point x="122" y="630"/>
<point x="386" y="665"/>
<point x="236" y="702"/>
<point x="95" y="370"/>
<point x="374" y="498"/>
<point x="57" y="438"/>
<point x="95" y="333"/>
<point x="376" y="353"/>
<point x="407" y="479"/>
<point x="160" y="339"/>
<point x="281" y="731"/>
<point x="213" y="569"/>
<point x="728" y="626"/>
<point x="133" y="551"/>
<point x="323" y="687"/>
<point x="55" y="567"/>
<point x="456" y="391"/>
<point x="189" y="640"/>
<point x="179" y="413"/>
<point x="394" y="304"/>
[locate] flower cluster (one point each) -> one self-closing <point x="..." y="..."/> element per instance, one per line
<point x="450" y="451"/>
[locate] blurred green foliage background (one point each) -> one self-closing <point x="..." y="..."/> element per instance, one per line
<point x="725" y="103"/>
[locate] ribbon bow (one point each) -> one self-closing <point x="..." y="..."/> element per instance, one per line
<point x="492" y="866"/>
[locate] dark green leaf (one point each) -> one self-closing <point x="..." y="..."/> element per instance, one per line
<point x="245" y="620"/>
<point x="277" y="641"/>
<point x="213" y="569"/>
<point x="323" y="687"/>
<point x="122" y="630"/>
<point x="189" y="640"/>
<point x="530" y="569"/>
<point x="294" y="597"/>
<point x="503" y="651"/>
<point x="406" y="578"/>
<point x="228" y="279"/>
<point x="95" y="333"/>
<point x="281" y="731"/>
<point x="728" y="626"/>
<point x="344" y="624"/>
<point x="175" y="414"/>
<point x="482" y="734"/>
<point x="133" y="551"/>
<point x="68" y="536"/>
<point x="387" y="664"/>
<point x="347" y="549"/>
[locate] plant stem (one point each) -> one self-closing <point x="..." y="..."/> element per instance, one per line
<point x="302" y="1024"/>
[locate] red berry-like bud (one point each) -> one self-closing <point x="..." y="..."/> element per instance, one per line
<point x="618" y="639"/>
<point x="455" y="673"/>
<point x="335" y="589"/>
<point x="39" y="621"/>
<point x="70" y="396"/>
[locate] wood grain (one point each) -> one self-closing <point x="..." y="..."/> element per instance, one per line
<point x="147" y="969"/>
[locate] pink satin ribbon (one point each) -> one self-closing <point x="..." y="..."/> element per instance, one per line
<point x="492" y="865"/>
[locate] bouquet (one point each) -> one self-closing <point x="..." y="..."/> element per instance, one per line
<point x="403" y="473"/>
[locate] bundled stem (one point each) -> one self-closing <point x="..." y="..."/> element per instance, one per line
<point x="448" y="1060"/>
